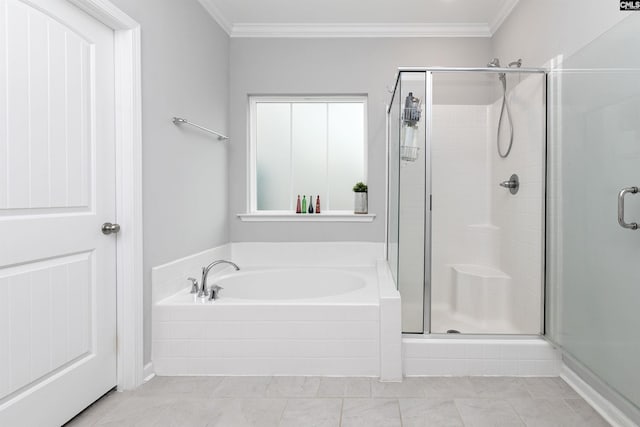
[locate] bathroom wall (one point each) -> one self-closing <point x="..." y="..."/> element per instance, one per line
<point x="328" y="66"/>
<point x="185" y="72"/>
<point x="539" y="30"/>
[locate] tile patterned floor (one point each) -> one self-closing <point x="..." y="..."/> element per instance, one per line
<point x="343" y="402"/>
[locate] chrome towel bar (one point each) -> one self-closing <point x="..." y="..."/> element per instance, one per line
<point x="179" y="121"/>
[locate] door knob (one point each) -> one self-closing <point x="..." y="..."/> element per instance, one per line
<point x="108" y="228"/>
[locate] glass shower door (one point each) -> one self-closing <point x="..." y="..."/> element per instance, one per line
<point x="594" y="262"/>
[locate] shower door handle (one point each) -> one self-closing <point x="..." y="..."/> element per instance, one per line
<point x="621" y="221"/>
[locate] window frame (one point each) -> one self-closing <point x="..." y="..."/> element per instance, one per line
<point x="252" y="185"/>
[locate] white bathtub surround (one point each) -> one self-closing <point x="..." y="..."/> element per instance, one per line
<point x="292" y="309"/>
<point x="478" y="356"/>
<point x="390" y="325"/>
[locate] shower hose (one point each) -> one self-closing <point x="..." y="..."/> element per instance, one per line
<point x="505" y="106"/>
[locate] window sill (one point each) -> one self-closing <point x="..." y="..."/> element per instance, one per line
<point x="336" y="216"/>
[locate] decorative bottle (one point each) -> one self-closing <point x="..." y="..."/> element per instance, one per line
<point x="304" y="204"/>
<point x="310" y="204"/>
<point x="318" y="204"/>
<point x="298" y="207"/>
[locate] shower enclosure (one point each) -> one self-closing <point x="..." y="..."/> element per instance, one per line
<point x="467" y="226"/>
<point x="593" y="249"/>
<point x="465" y="239"/>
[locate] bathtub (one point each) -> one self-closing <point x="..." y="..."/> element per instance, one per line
<point x="288" y="286"/>
<point x="285" y="320"/>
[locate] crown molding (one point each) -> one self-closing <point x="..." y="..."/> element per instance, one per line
<point x="330" y="30"/>
<point x="305" y="30"/>
<point x="215" y="13"/>
<point x="501" y="16"/>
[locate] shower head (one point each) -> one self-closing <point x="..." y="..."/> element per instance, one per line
<point x="495" y="63"/>
<point x="516" y="64"/>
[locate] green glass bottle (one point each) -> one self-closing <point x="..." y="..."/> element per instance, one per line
<point x="304" y="204"/>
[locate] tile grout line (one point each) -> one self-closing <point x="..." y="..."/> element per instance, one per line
<point x="399" y="411"/>
<point x="515" y="411"/>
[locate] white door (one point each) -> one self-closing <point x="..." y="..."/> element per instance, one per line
<point x="57" y="187"/>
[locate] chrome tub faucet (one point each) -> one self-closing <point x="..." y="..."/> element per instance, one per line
<point x="204" y="291"/>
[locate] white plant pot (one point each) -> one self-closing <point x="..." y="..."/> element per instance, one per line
<point x="361" y="203"/>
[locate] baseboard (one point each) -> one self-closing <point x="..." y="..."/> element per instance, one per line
<point x="148" y="372"/>
<point x="604" y="407"/>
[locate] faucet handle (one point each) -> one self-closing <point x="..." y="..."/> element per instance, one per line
<point x="215" y="290"/>
<point x="194" y="285"/>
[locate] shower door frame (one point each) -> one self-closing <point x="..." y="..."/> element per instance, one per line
<point x="429" y="71"/>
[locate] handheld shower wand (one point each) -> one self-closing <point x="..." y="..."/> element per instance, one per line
<point x="495" y="63"/>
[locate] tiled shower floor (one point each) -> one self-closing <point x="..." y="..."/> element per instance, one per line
<point x="314" y="401"/>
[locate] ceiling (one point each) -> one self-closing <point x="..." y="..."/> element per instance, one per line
<point x="359" y="18"/>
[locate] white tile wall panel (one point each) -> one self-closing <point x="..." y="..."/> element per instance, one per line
<point x="261" y="367"/>
<point x="263" y="312"/>
<point x="267" y="329"/>
<point x="272" y="342"/>
<point x="272" y="348"/>
<point x="513" y="357"/>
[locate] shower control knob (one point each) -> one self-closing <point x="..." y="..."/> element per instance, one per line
<point x="109" y="228"/>
<point x="513" y="184"/>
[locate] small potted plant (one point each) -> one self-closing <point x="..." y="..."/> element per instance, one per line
<point x="361" y="199"/>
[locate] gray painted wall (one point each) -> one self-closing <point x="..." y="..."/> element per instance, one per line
<point x="185" y="72"/>
<point x="327" y="66"/>
<point x="187" y="60"/>
<point x="539" y="30"/>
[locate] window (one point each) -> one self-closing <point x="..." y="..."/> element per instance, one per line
<point x="306" y="146"/>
